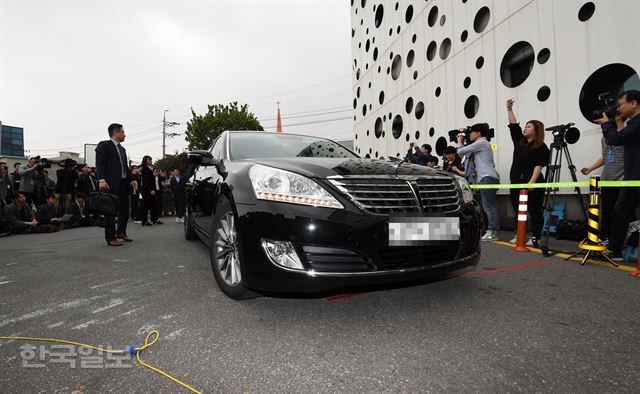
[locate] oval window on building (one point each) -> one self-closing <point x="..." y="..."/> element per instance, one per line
<point x="600" y="91"/>
<point x="517" y="64"/>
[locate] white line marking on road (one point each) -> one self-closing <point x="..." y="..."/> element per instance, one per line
<point x="172" y="335"/>
<point x="120" y="260"/>
<point x="127" y="313"/>
<point x="26" y="316"/>
<point x="107" y="284"/>
<point x="79" y="302"/>
<point x="166" y="317"/>
<point x="84" y="325"/>
<point x="45" y="311"/>
<point x="6" y="281"/>
<point x="58" y="324"/>
<point x="112" y="304"/>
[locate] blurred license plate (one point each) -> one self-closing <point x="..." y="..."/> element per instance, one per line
<point x="407" y="231"/>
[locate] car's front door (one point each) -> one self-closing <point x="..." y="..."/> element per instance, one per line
<point x="205" y="190"/>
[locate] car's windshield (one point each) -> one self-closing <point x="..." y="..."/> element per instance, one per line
<point x="270" y="145"/>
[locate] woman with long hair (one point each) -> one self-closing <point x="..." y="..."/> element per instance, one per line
<point x="530" y="156"/>
<point x="149" y="192"/>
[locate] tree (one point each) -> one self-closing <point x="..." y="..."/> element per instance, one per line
<point x="204" y="129"/>
<point x="171" y="162"/>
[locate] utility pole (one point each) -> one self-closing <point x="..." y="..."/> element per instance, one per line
<point x="164" y="132"/>
<point x="166" y="124"/>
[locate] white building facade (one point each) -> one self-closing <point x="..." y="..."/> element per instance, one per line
<point x="422" y="68"/>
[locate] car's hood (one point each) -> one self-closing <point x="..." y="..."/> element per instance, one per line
<point x="325" y="167"/>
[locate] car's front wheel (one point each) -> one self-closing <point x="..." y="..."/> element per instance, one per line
<point x="225" y="254"/>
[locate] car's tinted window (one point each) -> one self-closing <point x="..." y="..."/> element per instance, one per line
<point x="217" y="151"/>
<point x="268" y="145"/>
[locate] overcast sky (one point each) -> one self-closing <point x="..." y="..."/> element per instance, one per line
<point x="69" y="68"/>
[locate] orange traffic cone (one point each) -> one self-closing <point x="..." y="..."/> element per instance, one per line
<point x="521" y="241"/>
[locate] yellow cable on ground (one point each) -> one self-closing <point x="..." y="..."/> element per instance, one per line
<point x="130" y="349"/>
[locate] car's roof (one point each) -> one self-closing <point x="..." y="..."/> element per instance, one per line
<point x="272" y="132"/>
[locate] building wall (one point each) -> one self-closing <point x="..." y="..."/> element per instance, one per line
<point x="577" y="49"/>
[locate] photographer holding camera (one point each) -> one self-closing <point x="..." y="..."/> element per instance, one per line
<point x="32" y="183"/>
<point x="629" y="136"/>
<point x="65" y="188"/>
<point x="612" y="160"/>
<point x="530" y="156"/>
<point x="478" y="151"/>
<point x="418" y="154"/>
<point x="452" y="161"/>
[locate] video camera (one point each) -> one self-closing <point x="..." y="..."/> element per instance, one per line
<point x="607" y="104"/>
<point x="68" y="164"/>
<point x="465" y="131"/>
<point x="565" y="132"/>
<point x="42" y="162"/>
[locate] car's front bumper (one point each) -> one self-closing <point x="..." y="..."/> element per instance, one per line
<point x="332" y="238"/>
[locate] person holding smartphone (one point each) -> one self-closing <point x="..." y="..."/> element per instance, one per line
<point x="530" y="156"/>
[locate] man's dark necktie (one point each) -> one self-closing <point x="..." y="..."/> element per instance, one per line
<point x="123" y="160"/>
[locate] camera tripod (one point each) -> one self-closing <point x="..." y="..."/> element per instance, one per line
<point x="558" y="149"/>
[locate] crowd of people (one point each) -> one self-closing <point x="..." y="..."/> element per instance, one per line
<point x="31" y="202"/>
<point x="472" y="158"/>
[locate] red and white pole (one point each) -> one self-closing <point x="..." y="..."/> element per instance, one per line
<point x="521" y="242"/>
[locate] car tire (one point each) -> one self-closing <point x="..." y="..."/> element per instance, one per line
<point x="189" y="233"/>
<point x="225" y="253"/>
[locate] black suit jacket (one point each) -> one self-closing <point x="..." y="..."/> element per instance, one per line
<point x="177" y="188"/>
<point x="14" y="213"/>
<point x="109" y="167"/>
<point x="85" y="183"/>
<point x="148" y="181"/>
<point x="76" y="214"/>
<point x="45" y="214"/>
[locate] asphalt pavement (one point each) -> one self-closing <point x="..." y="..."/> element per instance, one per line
<point x="520" y="323"/>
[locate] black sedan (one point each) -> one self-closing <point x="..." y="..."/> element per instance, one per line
<point x="284" y="213"/>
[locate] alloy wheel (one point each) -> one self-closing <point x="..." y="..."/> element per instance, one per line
<point x="227" y="256"/>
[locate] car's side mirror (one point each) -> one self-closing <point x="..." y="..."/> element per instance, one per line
<point x="202" y="158"/>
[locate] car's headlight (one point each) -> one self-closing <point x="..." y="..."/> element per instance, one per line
<point x="278" y="185"/>
<point x="467" y="194"/>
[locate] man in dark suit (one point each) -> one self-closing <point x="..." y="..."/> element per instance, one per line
<point x="86" y="183"/>
<point x="178" y="185"/>
<point x="114" y="175"/>
<point x="79" y="217"/>
<point x="136" y="180"/>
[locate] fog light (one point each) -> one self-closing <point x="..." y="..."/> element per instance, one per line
<point x="282" y="254"/>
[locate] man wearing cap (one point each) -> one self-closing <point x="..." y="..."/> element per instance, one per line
<point x="114" y="176"/>
<point x="478" y="152"/>
<point x="30" y="175"/>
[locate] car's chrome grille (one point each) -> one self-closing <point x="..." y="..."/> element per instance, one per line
<point x="395" y="195"/>
<point x="382" y="196"/>
<point x="438" y="194"/>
